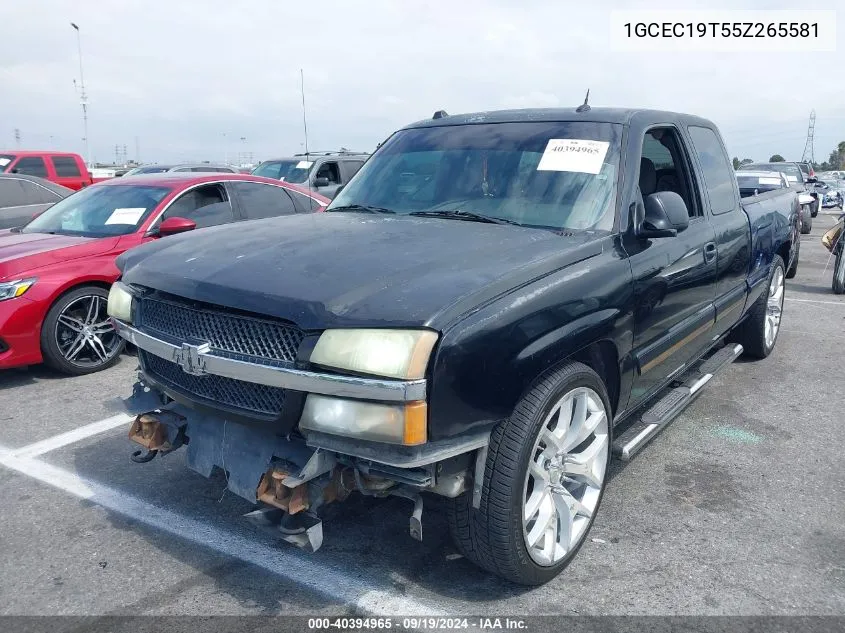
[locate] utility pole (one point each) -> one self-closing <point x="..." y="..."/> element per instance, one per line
<point x="83" y="97"/>
<point x="17" y="137"/>
<point x="137" y="151"/>
<point x="809" y="153"/>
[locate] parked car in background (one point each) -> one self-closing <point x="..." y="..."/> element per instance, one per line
<point x="832" y="192"/>
<point x="56" y="270"/>
<point x="475" y="314"/>
<point x="62" y="168"/>
<point x="797" y="179"/>
<point x="323" y="172"/>
<point x="769" y="192"/>
<point x="181" y="168"/>
<point x="23" y="197"/>
<point x="808" y="171"/>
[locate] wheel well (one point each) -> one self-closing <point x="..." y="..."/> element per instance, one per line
<point x="94" y="282"/>
<point x="783" y="251"/>
<point x="603" y="359"/>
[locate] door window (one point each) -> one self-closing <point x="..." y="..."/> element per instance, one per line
<point x="718" y="172"/>
<point x="665" y="167"/>
<point x="351" y="167"/>
<point x="258" y="200"/>
<point x="36" y="194"/>
<point x="32" y="166"/>
<point x="330" y="171"/>
<point x="207" y="206"/>
<point x="11" y="193"/>
<point x="66" y="167"/>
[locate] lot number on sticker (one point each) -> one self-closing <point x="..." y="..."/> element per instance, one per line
<point x="570" y="154"/>
<point x="129" y="215"/>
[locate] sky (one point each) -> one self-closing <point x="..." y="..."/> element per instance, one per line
<point x="220" y="79"/>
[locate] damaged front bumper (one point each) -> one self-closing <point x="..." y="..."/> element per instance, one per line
<point x="291" y="478"/>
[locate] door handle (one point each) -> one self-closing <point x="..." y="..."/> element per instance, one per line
<point x="709" y="252"/>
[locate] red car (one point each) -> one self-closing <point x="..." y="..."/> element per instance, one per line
<point x="55" y="272"/>
<point x="62" y="168"/>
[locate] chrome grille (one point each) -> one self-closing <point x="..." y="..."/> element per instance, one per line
<point x="249" y="397"/>
<point x="254" y="338"/>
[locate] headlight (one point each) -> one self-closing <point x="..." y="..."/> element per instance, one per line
<point x="394" y="423"/>
<point x="389" y="353"/>
<point x="12" y="289"/>
<point x="120" y="302"/>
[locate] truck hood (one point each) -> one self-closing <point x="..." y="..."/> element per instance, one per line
<point x="22" y="252"/>
<point x="353" y="270"/>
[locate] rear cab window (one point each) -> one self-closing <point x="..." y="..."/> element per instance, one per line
<point x="719" y="179"/>
<point x="66" y="167"/>
<point x="752" y="185"/>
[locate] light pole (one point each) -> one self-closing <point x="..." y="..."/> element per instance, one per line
<point x="82" y="96"/>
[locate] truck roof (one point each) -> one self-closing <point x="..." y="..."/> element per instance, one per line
<point x="596" y="115"/>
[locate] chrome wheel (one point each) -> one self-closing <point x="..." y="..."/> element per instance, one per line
<point x="774" y="307"/>
<point x="565" y="476"/>
<point x="84" y="334"/>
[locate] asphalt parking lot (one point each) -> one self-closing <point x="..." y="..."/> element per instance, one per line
<point x="736" y="509"/>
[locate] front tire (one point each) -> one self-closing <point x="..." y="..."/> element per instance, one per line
<point x="759" y="332"/>
<point x="543" y="481"/>
<point x="77" y="336"/>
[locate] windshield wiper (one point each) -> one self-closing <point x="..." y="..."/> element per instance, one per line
<point x="366" y="208"/>
<point x="460" y="214"/>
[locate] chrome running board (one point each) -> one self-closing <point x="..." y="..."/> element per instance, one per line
<point x="662" y="412"/>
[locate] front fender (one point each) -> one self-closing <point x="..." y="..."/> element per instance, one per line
<point x="485" y="362"/>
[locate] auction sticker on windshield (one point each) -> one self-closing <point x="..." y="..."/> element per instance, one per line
<point x="4" y="162"/>
<point x="769" y="181"/>
<point x="129" y="215"/>
<point x="304" y="164"/>
<point x="572" y="154"/>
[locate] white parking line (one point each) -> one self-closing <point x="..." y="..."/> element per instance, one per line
<point x="71" y="437"/>
<point x="828" y="303"/>
<point x="286" y="563"/>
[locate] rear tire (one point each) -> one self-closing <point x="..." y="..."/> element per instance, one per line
<point x="543" y="481"/>
<point x="806" y="221"/>
<point x="758" y="333"/>
<point x="838" y="285"/>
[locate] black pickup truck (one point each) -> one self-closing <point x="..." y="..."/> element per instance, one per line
<point x="494" y="304"/>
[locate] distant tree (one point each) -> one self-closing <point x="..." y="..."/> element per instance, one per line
<point x="746" y="161"/>
<point x="736" y="163"/>
<point x="777" y="158"/>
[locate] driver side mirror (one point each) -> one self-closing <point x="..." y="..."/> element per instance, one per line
<point x="174" y="225"/>
<point x="666" y="215"/>
<point x="321" y="181"/>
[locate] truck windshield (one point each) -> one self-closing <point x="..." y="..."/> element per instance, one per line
<point x="287" y="170"/>
<point x="99" y="211"/>
<point x="551" y="175"/>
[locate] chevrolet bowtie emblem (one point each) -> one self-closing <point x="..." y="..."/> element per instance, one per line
<point x="190" y="357"/>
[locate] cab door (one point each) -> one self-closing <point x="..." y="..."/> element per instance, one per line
<point x="674" y="277"/>
<point x="733" y="233"/>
